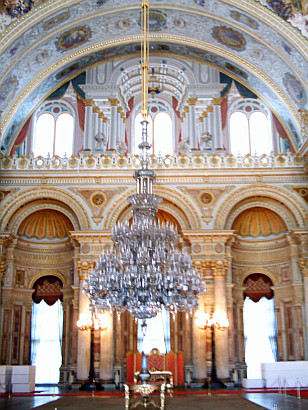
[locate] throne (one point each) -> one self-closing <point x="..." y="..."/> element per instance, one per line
<point x="167" y="367"/>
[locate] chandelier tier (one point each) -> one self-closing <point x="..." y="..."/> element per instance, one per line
<point x="144" y="270"/>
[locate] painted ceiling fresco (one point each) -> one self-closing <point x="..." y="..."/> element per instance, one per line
<point x="248" y="40"/>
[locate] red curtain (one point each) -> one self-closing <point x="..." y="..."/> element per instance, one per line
<point x="49" y="289"/>
<point x="22" y="135"/>
<point x="131" y="106"/>
<point x="258" y="285"/>
<point x="174" y="105"/>
<point x="224" y="110"/>
<point x="281" y="131"/>
<point x="81" y="112"/>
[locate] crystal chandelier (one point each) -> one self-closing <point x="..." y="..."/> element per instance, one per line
<point x="144" y="270"/>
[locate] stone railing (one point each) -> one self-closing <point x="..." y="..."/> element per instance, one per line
<point x="114" y="161"/>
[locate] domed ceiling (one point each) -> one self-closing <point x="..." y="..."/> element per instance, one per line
<point x="46" y="224"/>
<point x="257" y="221"/>
<point x="259" y="43"/>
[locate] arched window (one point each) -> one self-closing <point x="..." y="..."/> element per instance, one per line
<point x="250" y="128"/>
<point x="160" y="132"/>
<point x="157" y="333"/>
<point x="54" y="130"/>
<point x="163" y="134"/>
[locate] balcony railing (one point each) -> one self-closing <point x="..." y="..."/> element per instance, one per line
<point x="114" y="161"/>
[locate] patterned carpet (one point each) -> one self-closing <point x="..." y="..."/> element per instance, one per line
<point x="190" y="402"/>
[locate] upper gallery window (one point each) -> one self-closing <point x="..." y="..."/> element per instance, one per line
<point x="54" y="130"/>
<point x="159" y="132"/>
<point x="250" y="128"/>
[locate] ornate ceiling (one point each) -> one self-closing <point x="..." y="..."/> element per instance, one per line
<point x="261" y="44"/>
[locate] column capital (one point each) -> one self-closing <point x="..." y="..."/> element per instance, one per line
<point x="84" y="268"/>
<point x="204" y="114"/>
<point x="113" y="101"/>
<point x="219" y="268"/>
<point x="2" y="269"/>
<point x="186" y="108"/>
<point x="217" y="100"/>
<point x="101" y="115"/>
<point x="88" y="102"/>
<point x="192" y="101"/>
<point x="96" y="109"/>
<point x="200" y="118"/>
<point x="303" y="264"/>
<point x="119" y="109"/>
<point x="210" y="108"/>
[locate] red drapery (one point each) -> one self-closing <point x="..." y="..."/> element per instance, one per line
<point x="258" y="285"/>
<point x="49" y="289"/>
<point x="224" y="110"/>
<point x="174" y="105"/>
<point x="81" y="112"/>
<point x="281" y="131"/>
<point x="22" y="135"/>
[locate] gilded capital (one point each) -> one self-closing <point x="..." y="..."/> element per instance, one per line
<point x="2" y="269"/>
<point x="101" y="115"/>
<point x="119" y="109"/>
<point x="217" y="100"/>
<point x="88" y="102"/>
<point x="192" y="101"/>
<point x="95" y="109"/>
<point x="219" y="268"/>
<point x="84" y="268"/>
<point x="303" y="264"/>
<point x="186" y="108"/>
<point x="114" y="101"/>
<point x="210" y="108"/>
<point x="204" y="114"/>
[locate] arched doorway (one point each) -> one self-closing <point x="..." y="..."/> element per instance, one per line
<point x="47" y="329"/>
<point x="260" y="330"/>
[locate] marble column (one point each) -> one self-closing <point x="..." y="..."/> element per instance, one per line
<point x="217" y="126"/>
<point x="100" y="121"/>
<point x="113" y="124"/>
<point x="83" y="350"/>
<point x="221" y="336"/>
<point x="192" y="123"/>
<point x="210" y="127"/>
<point x="95" y="127"/>
<point x="303" y="263"/>
<point x="88" y="131"/>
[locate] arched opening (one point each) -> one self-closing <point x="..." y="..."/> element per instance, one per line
<point x="157" y="335"/>
<point x="259" y="324"/>
<point x="47" y="329"/>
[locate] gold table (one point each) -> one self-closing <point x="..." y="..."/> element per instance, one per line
<point x="144" y="390"/>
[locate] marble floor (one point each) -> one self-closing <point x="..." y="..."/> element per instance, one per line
<point x="60" y="398"/>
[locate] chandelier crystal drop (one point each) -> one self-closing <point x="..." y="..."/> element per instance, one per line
<point x="144" y="270"/>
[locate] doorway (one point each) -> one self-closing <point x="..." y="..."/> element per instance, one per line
<point x="47" y="330"/>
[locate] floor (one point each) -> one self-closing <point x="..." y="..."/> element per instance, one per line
<point x="60" y="398"/>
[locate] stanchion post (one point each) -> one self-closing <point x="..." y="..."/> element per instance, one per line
<point x="209" y="388"/>
<point x="10" y="387"/>
<point x="279" y="385"/>
<point x="298" y="387"/>
<point x="285" y="386"/>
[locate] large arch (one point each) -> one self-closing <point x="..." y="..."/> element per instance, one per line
<point x="185" y="212"/>
<point x="277" y="199"/>
<point x="38" y="39"/>
<point x="21" y="205"/>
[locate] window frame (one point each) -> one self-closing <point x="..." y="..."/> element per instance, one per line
<point x="47" y="108"/>
<point x="240" y="105"/>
